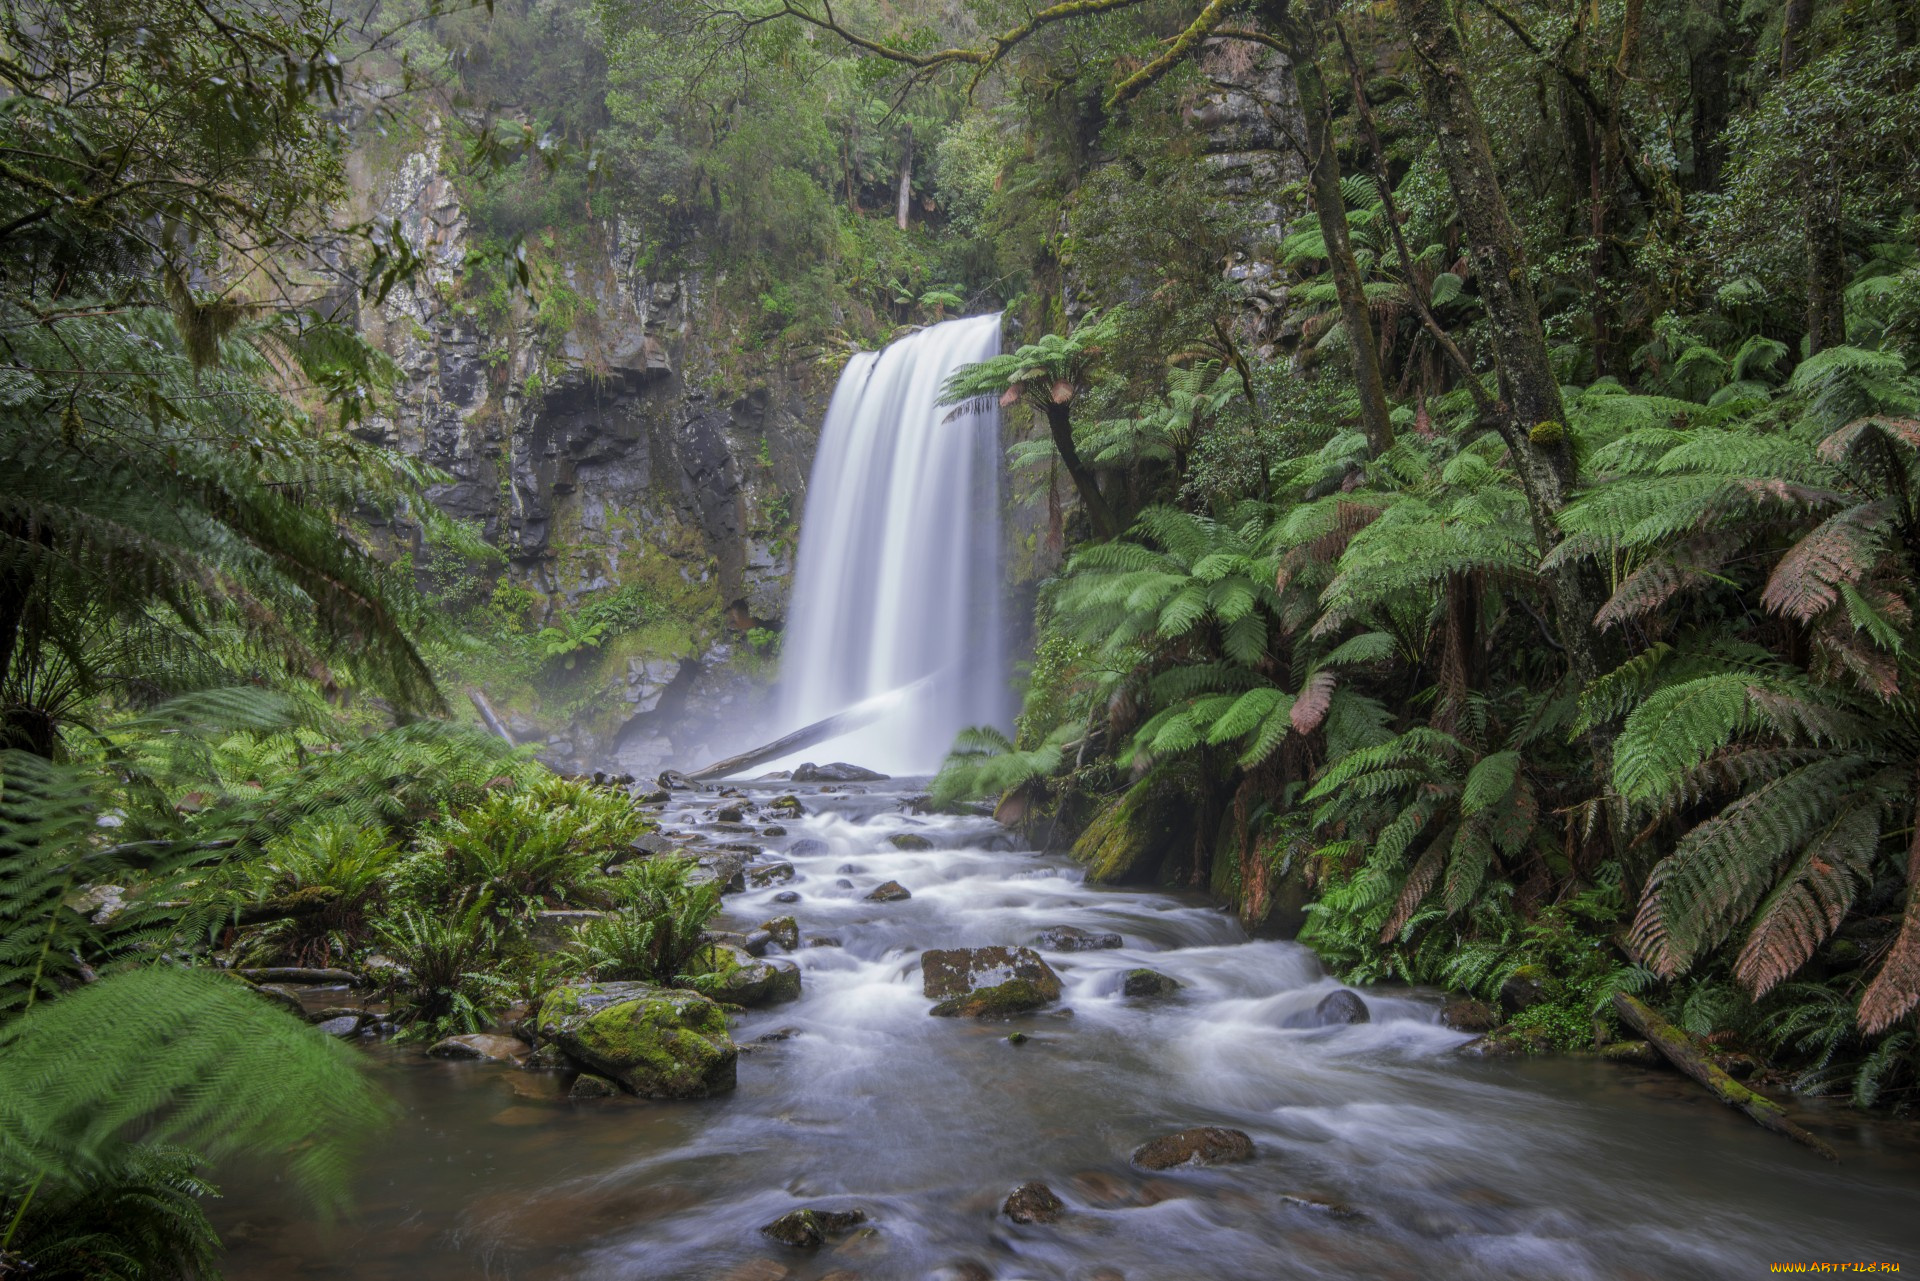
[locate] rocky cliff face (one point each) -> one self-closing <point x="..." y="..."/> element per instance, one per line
<point x="599" y="452"/>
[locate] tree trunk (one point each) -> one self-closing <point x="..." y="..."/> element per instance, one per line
<point x="905" y="203"/>
<point x="1826" y="254"/>
<point x="1712" y="92"/>
<point x="1681" y="1051"/>
<point x="1085" y="483"/>
<point x="1324" y="162"/>
<point x="1534" y="420"/>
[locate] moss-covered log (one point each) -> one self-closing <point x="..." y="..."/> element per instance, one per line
<point x="1687" y="1054"/>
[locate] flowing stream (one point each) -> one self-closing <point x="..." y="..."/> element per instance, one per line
<point x="1381" y="1151"/>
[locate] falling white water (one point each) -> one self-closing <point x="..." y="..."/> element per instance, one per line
<point x="899" y="575"/>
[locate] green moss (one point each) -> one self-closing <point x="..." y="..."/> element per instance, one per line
<point x="1015" y="996"/>
<point x="1127" y="840"/>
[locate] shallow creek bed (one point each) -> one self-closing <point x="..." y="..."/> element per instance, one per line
<point x="1377" y="1150"/>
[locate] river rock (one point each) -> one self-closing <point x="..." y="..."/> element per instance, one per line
<point x="773" y="829"/>
<point x="589" y="1085"/>
<point x="1339" y="1007"/>
<point x="1149" y="984"/>
<point x="787" y="896"/>
<point x="836" y="772"/>
<point x="552" y="931"/>
<point x="657" y="796"/>
<point x="987" y="982"/>
<point x="1464" y="1014"/>
<point x="481" y="1046"/>
<point x="1334" y="1009"/>
<point x="1523" y="990"/>
<point x="910" y="841"/>
<point x="674" y="781"/>
<point x="748" y="981"/>
<point x="730" y="814"/>
<point x="771" y="874"/>
<point x="549" y="1058"/>
<point x="785" y="931"/>
<point x="723" y="868"/>
<point x="787" y="806"/>
<point x="807" y="847"/>
<point x="651" y="845"/>
<point x="1033" y="1202"/>
<point x="891" y="892"/>
<point x="656" y="1042"/>
<point x="804" y="1229"/>
<point x="344" y="1026"/>
<point x="1202" y="1145"/>
<point x="956" y="971"/>
<point x="1071" y="938"/>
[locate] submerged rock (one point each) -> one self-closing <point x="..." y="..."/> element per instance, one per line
<point x="804" y="1229"/>
<point x="891" y="892"/>
<point x="656" y="1042"/>
<point x="1033" y="1202"/>
<point x="591" y="1086"/>
<point x="836" y="772"/>
<point x="1071" y="938"/>
<point x="1202" y="1145"/>
<point x="787" y="896"/>
<point x="481" y="1046"/>
<point x="910" y="841"/>
<point x="1149" y="984"/>
<point x="807" y="847"/>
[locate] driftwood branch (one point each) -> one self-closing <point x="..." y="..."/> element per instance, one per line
<point x="1685" y="1053"/>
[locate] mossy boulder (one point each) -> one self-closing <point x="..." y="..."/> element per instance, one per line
<point x="1130" y="838"/>
<point x="743" y="979"/>
<point x="911" y="841"/>
<point x="660" y="1043"/>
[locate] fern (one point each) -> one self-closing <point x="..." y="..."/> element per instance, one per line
<point x="191" y="1057"/>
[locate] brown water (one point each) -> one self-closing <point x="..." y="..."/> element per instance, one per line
<point x="1451" y="1167"/>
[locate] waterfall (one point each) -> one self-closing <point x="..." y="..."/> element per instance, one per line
<point x="899" y="575"/>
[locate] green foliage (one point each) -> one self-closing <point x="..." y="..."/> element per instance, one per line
<point x="655" y="926"/>
<point x="449" y="987"/>
<point x="137" y="1219"/>
<point x="190" y="1056"/>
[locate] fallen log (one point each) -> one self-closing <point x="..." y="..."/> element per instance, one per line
<point x="300" y="974"/>
<point x="310" y="901"/>
<point x="487" y="714"/>
<point x="858" y="716"/>
<point x="1685" y="1053"/>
